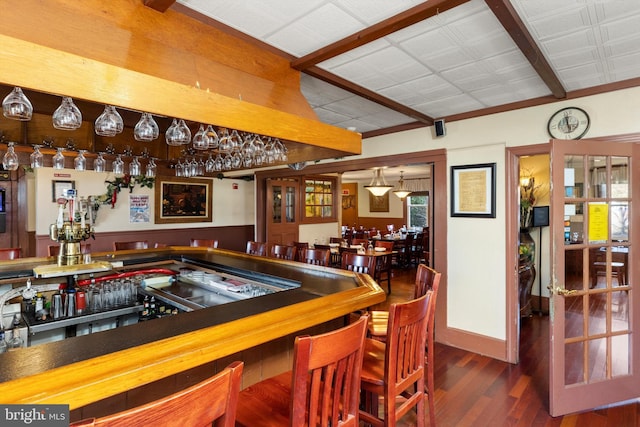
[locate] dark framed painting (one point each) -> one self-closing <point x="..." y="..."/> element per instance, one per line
<point x="378" y="203"/>
<point x="473" y="190"/>
<point x="180" y="200"/>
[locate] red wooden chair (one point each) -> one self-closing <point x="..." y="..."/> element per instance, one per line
<point x="427" y="279"/>
<point x="395" y="369"/>
<point x="359" y="263"/>
<point x="209" y="243"/>
<point x="282" y="252"/>
<point x="256" y="248"/>
<point x="211" y="401"/>
<point x="322" y="389"/>
<point x="122" y="246"/>
<point x="300" y="248"/>
<point x="317" y="257"/>
<point x="384" y="265"/>
<point x="10" y="253"/>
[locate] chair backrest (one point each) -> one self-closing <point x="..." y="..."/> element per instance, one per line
<point x="326" y="377"/>
<point x="10" y="253"/>
<point x="320" y="246"/>
<point x="282" y="252"/>
<point x="139" y="244"/>
<point x="213" y="399"/>
<point x="209" y="243"/>
<point x="359" y="263"/>
<point x="364" y="242"/>
<point x="335" y="239"/>
<point x="384" y="244"/>
<point x="427" y="279"/>
<point x="300" y="248"/>
<point x="405" y="348"/>
<point x="256" y="248"/>
<point x="317" y="257"/>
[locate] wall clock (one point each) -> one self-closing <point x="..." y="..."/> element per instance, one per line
<point x="568" y="123"/>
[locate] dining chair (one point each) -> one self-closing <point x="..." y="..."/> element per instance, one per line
<point x="427" y="279"/>
<point x="256" y="248"/>
<point x="282" y="252"/>
<point x="209" y="243"/>
<point x="322" y="389"/>
<point x="121" y="246"/>
<point x="384" y="264"/>
<point x="364" y="242"/>
<point x="416" y="250"/>
<point x="317" y="257"/>
<point x="10" y="253"/>
<point x="300" y="248"/>
<point x="213" y="400"/>
<point x="359" y="263"/>
<point x="394" y="370"/>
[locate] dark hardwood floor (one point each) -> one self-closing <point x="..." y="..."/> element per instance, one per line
<point x="473" y="390"/>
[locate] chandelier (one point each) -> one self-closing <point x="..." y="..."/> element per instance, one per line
<point x="378" y="186"/>
<point x="402" y="192"/>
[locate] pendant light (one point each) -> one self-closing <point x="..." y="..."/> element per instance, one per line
<point x="378" y="186"/>
<point x="402" y="192"/>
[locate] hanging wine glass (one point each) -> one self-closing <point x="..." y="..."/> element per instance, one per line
<point x="109" y="123"/>
<point x="212" y="138"/>
<point x="235" y="140"/>
<point x="200" y="139"/>
<point x="183" y="132"/>
<point x="135" y="167"/>
<point x="146" y="129"/>
<point x="36" y="158"/>
<point x="200" y="168"/>
<point x="151" y="168"/>
<point x="236" y="160"/>
<point x="10" y="159"/>
<point x="218" y="164"/>
<point x="67" y="116"/>
<point x="224" y="144"/>
<point x="118" y="166"/>
<point x="80" y="162"/>
<point x="58" y="159"/>
<point x="210" y="164"/>
<point x="170" y="135"/>
<point x="99" y="164"/>
<point x="17" y="106"/>
<point x="179" y="169"/>
<point x="227" y="162"/>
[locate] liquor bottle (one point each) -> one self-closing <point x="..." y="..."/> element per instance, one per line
<point x="152" y="307"/>
<point x="145" y="308"/>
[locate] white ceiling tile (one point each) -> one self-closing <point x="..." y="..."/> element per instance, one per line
<point x="373" y="11"/>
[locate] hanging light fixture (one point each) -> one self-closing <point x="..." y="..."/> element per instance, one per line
<point x="402" y="192"/>
<point x="378" y="186"/>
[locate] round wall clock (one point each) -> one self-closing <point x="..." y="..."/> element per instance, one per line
<point x="568" y="123"/>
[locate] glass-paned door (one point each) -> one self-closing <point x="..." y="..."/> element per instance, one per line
<point x="592" y="298"/>
<point x="282" y="211"/>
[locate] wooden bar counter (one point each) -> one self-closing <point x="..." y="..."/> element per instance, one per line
<point x="83" y="370"/>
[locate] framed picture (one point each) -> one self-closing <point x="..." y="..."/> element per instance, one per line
<point x="59" y="189"/>
<point x="183" y="200"/>
<point x="378" y="203"/>
<point x="473" y="190"/>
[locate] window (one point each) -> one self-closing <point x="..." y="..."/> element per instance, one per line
<point x="418" y="209"/>
<point x="319" y="199"/>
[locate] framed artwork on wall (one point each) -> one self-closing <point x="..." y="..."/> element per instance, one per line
<point x="378" y="203"/>
<point x="180" y="200"/>
<point x="473" y="190"/>
<point x="59" y="189"/>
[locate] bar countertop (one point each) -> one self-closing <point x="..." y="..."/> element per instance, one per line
<point x="85" y="369"/>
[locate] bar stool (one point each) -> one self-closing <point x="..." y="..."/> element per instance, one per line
<point x="122" y="246"/>
<point x="317" y="257"/>
<point x="321" y="390"/>
<point x="395" y="369"/>
<point x="209" y="243"/>
<point x="282" y="252"/>
<point x="427" y="279"/>
<point x="10" y="253"/>
<point x="214" y="399"/>
<point x="256" y="248"/>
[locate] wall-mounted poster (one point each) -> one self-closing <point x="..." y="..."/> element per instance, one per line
<point x="138" y="208"/>
<point x="183" y="200"/>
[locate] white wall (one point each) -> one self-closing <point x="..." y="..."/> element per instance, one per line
<point x="477" y="292"/>
<point x="230" y="206"/>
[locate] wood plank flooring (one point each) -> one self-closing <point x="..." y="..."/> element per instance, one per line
<point x="473" y="390"/>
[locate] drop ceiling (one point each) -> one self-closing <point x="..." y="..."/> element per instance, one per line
<point x="381" y="66"/>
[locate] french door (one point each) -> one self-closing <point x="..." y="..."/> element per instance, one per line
<point x="282" y="211"/>
<point x="595" y="354"/>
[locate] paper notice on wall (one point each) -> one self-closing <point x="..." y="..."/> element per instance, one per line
<point x="598" y="222"/>
<point x="138" y="208"/>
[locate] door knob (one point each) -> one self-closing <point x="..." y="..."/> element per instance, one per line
<point x="557" y="290"/>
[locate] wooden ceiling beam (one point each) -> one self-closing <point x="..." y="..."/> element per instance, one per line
<point x="506" y="14"/>
<point x="383" y="28"/>
<point x="159" y="5"/>
<point x="372" y="96"/>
